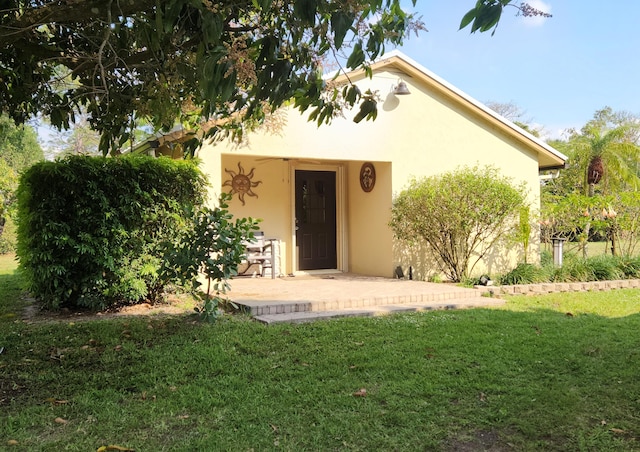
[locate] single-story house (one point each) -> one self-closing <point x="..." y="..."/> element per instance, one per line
<point x="325" y="193"/>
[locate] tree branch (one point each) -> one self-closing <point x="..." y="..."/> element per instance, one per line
<point x="69" y="11"/>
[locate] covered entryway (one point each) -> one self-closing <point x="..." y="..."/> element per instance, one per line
<point x="316" y="227"/>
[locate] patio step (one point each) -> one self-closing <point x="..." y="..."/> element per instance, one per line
<point x="315" y="301"/>
<point x="301" y="316"/>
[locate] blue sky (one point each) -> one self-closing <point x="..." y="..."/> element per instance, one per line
<point x="560" y="71"/>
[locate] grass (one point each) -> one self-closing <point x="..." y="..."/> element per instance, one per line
<point x="593" y="248"/>
<point x="7" y="264"/>
<point x="556" y="372"/>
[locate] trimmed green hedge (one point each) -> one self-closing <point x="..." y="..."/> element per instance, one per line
<point x="92" y="231"/>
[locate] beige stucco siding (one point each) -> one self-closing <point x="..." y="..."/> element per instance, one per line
<point x="370" y="238"/>
<point x="421" y="134"/>
<point x="271" y="204"/>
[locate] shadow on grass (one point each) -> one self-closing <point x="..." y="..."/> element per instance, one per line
<point x="11" y="293"/>
<point x="479" y="379"/>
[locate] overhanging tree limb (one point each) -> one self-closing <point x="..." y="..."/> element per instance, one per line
<point x="187" y="61"/>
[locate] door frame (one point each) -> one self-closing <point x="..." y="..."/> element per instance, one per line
<point x="341" y="232"/>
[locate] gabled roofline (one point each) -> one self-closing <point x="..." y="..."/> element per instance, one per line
<point x="400" y="61"/>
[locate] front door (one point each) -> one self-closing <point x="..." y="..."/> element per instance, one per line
<point x="316" y="219"/>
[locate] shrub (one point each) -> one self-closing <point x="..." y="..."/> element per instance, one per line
<point x="523" y="274"/>
<point x="630" y="266"/>
<point x="604" y="268"/>
<point x="461" y="215"/>
<point x="92" y="230"/>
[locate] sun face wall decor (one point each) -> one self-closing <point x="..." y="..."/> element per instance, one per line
<point x="241" y="183"/>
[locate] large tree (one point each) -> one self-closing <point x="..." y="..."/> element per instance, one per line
<point x="603" y="160"/>
<point x="19" y="149"/>
<point x="193" y="60"/>
<point x="607" y="154"/>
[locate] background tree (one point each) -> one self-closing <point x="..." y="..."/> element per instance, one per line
<point x="613" y="136"/>
<point x="19" y="149"/>
<point x="79" y="139"/>
<point x="193" y="60"/>
<point x="603" y="160"/>
<point x="19" y="146"/>
<point x="515" y="114"/>
<point x="461" y="215"/>
<point x="607" y="155"/>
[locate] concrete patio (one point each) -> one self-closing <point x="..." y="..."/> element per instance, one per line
<point x="312" y="297"/>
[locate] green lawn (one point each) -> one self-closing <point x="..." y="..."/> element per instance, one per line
<point x="557" y="372"/>
<point x="8" y="264"/>
<point x="593" y="248"/>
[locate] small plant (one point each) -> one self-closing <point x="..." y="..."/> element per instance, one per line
<point x="630" y="266"/>
<point x="604" y="268"/>
<point x="523" y="233"/>
<point x="598" y="268"/>
<point x="523" y="274"/>
<point x="212" y="246"/>
<point x="577" y="269"/>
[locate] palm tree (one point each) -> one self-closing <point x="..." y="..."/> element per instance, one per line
<point x="607" y="157"/>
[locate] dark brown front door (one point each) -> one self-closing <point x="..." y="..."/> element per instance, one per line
<point x="316" y="219"/>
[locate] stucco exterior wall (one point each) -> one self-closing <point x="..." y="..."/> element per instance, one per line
<point x="271" y="204"/>
<point x="370" y="240"/>
<point x="420" y="134"/>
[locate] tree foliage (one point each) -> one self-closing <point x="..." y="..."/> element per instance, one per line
<point x="19" y="149"/>
<point x="486" y="14"/>
<point x="19" y="146"/>
<point x="603" y="156"/>
<point x="180" y="59"/>
<point x="92" y="232"/>
<point x="461" y="215"/>
<point x="8" y="184"/>
<point x="192" y="60"/>
<point x="213" y="246"/>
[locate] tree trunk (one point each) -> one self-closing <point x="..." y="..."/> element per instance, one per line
<point x="587" y="229"/>
<point x="595" y="170"/>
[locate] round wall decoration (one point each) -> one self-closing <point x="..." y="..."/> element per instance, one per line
<point x="367" y="176"/>
<point x="241" y="183"/>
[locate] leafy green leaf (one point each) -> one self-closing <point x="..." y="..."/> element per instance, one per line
<point x="306" y="10"/>
<point x="340" y="23"/>
<point x="468" y="18"/>
<point x="357" y="56"/>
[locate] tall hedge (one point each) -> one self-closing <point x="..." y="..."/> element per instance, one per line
<point x="92" y="230"/>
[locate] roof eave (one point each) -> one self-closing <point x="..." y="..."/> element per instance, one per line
<point x="413" y="69"/>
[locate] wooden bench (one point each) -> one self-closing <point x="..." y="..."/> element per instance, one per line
<point x="259" y="252"/>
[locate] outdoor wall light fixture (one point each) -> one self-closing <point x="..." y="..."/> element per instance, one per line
<point x="401" y="89"/>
